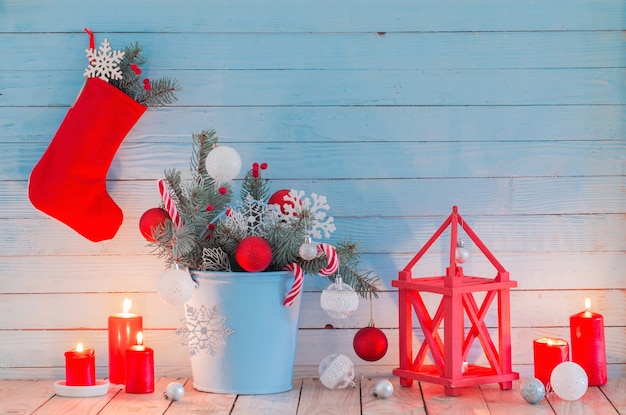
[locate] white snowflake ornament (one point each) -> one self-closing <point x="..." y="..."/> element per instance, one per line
<point x="104" y="62"/>
<point x="313" y="209"/>
<point x="205" y="331"/>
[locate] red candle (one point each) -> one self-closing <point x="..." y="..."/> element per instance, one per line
<point x="548" y="353"/>
<point x="123" y="329"/>
<point x="139" y="368"/>
<point x="80" y="366"/>
<point x="588" y="347"/>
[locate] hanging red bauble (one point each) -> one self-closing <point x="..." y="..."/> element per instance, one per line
<point x="278" y="198"/>
<point x="151" y="219"/>
<point x="253" y="254"/>
<point x="370" y="343"/>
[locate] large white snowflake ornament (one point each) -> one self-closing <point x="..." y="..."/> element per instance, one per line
<point x="313" y="209"/>
<point x="205" y="330"/>
<point x="103" y="62"/>
<point x="252" y="217"/>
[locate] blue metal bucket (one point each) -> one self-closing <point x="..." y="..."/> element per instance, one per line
<point x="242" y="340"/>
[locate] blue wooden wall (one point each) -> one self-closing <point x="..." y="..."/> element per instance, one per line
<point x="395" y="110"/>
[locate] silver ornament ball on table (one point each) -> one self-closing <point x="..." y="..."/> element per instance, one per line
<point x="382" y="389"/>
<point x="174" y="391"/>
<point x="532" y="390"/>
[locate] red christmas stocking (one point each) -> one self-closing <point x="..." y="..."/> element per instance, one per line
<point x="69" y="182"/>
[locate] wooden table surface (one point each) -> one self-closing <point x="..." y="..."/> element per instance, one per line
<point x="307" y="397"/>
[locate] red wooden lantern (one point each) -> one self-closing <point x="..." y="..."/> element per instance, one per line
<point x="457" y="302"/>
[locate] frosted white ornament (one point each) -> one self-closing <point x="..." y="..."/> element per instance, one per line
<point x="308" y="250"/>
<point x="223" y="163"/>
<point x="174" y="391"/>
<point x="569" y="381"/>
<point x="339" y="300"/>
<point x="337" y="372"/>
<point x="175" y="285"/>
<point x="382" y="389"/>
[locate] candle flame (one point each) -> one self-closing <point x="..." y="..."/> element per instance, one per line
<point x="139" y="338"/>
<point x="79" y="347"/>
<point x="550" y="342"/>
<point x="127" y="304"/>
<point x="587" y="304"/>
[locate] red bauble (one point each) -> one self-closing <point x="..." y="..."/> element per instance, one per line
<point x="278" y="198"/>
<point x="253" y="254"/>
<point x="150" y="219"/>
<point x="370" y="343"/>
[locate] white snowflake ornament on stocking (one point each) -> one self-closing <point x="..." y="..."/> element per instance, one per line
<point x="103" y="62"/>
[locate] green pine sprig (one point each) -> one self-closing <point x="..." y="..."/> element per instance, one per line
<point x="160" y="92"/>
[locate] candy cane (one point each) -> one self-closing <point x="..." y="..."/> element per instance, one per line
<point x="296" y="288"/>
<point x="170" y="205"/>
<point x="333" y="261"/>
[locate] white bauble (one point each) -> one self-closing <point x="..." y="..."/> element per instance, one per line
<point x="339" y="300"/>
<point x="569" y="381"/>
<point x="337" y="372"/>
<point x="223" y="163"/>
<point x="175" y="285"/>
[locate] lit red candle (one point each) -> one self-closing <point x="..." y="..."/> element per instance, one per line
<point x="588" y="346"/>
<point x="548" y="353"/>
<point x="139" y="368"/>
<point x="80" y="366"/>
<point x="123" y="329"/>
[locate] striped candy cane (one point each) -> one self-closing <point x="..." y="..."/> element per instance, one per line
<point x="333" y="261"/>
<point x="170" y="205"/>
<point x="296" y="288"/>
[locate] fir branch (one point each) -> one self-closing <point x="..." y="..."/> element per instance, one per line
<point x="203" y="143"/>
<point x="162" y="92"/>
<point x="130" y="79"/>
<point x="257" y="187"/>
<point x="285" y="240"/>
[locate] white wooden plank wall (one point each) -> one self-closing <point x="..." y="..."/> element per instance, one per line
<point x="514" y="111"/>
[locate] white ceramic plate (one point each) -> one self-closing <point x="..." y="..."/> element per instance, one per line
<point x="100" y="388"/>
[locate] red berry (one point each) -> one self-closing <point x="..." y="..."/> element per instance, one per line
<point x="263" y="166"/>
<point x="211" y="226"/>
<point x="133" y="66"/>
<point x="223" y="190"/>
<point x="255" y="166"/>
<point x="255" y="173"/>
<point x="146" y="81"/>
<point x="210" y="208"/>
<point x="147" y="87"/>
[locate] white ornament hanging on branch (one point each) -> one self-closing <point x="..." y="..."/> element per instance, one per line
<point x="308" y="250"/>
<point x="339" y="300"/>
<point x="175" y="286"/>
